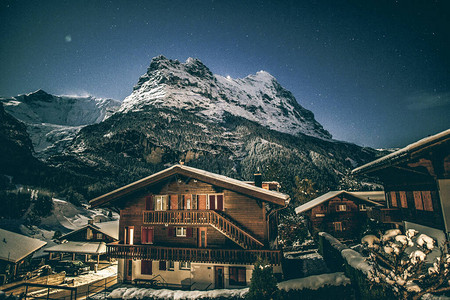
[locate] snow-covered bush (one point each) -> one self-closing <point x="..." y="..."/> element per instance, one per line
<point x="399" y="262"/>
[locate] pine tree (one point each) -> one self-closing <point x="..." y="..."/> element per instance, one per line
<point x="263" y="285"/>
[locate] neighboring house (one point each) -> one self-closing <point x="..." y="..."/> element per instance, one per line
<point x="416" y="181"/>
<point x="340" y="213"/>
<point x="89" y="241"/>
<point x="194" y="228"/>
<point x="16" y="251"/>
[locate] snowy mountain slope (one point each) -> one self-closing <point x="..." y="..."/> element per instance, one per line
<point x="191" y="86"/>
<point x="53" y="121"/>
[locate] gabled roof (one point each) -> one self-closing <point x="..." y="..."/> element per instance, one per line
<point x="325" y="197"/>
<point x="205" y="176"/>
<point x="404" y="153"/>
<point x="79" y="247"/>
<point x="14" y="247"/>
<point x="110" y="229"/>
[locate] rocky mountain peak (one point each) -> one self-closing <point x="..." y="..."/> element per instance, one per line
<point x="192" y="86"/>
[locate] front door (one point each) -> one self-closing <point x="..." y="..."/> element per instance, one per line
<point x="128" y="270"/>
<point x="218" y="277"/>
<point x="202" y="237"/>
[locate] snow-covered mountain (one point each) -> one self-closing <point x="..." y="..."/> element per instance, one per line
<point x="191" y="86"/>
<point x="52" y="121"/>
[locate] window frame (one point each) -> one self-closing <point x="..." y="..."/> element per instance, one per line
<point x="161" y="202"/>
<point x="183" y="231"/>
<point x="170" y="265"/>
<point x="185" y="265"/>
<point x="338" y="226"/>
<point x="233" y="278"/>
<point x="341" y="207"/>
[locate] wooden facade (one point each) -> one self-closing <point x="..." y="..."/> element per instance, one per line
<point x="416" y="181"/>
<point x="339" y="213"/>
<point x="195" y="217"/>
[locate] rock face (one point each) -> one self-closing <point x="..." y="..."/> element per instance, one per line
<point x="191" y="86"/>
<point x="53" y="121"/>
<point x="16" y="149"/>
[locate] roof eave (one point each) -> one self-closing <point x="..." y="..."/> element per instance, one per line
<point x="269" y="196"/>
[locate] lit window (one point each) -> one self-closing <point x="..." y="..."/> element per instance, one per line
<point x="161" y="202"/>
<point x="341" y="207"/>
<point x="362" y="207"/>
<point x="181" y="231"/>
<point x="337" y="226"/>
<point x="185" y="265"/>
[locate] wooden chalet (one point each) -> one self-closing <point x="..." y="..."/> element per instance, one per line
<point x="89" y="241"/>
<point x="16" y="251"/>
<point x="340" y="213"/>
<point x="416" y="181"/>
<point x="193" y="228"/>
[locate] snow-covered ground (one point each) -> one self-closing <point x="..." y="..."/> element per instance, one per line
<point x="140" y="293"/>
<point x="92" y="276"/>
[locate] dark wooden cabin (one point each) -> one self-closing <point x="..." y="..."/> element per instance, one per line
<point x="87" y="243"/>
<point x="340" y="213"/>
<point x="191" y="226"/>
<point x="416" y="181"/>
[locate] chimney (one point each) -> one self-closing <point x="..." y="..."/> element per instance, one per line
<point x="258" y="178"/>
<point x="91" y="222"/>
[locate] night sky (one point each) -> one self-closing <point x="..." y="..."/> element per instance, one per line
<point x="376" y="73"/>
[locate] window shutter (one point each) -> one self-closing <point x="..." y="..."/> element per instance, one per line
<point x="144" y="235"/>
<point x="173" y="202"/>
<point x="403" y="200"/>
<point x="393" y="199"/>
<point x="418" y="200"/>
<point x="212" y="202"/>
<point x="427" y="202"/>
<point x="149" y="202"/>
<point x="194" y="202"/>
<point x="219" y="202"/>
<point x="189" y="232"/>
<point x="170" y="231"/>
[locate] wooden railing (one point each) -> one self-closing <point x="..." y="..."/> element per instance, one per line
<point x="205" y="217"/>
<point x="201" y="255"/>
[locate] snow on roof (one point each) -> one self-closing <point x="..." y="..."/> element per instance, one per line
<point x="398" y="155"/>
<point x="315" y="282"/>
<point x="212" y="178"/>
<point x="325" y="197"/>
<point x="79" y="247"/>
<point x="14" y="247"/>
<point x="377" y="196"/>
<point x="110" y="228"/>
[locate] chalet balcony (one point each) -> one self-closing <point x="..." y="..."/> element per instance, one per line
<point x="199" y="255"/>
<point x="219" y="221"/>
<point x="385" y="215"/>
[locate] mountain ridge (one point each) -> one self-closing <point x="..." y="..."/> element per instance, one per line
<point x="53" y="121"/>
<point x="192" y="86"/>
